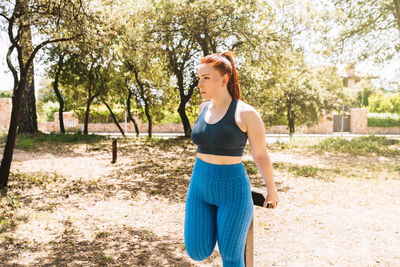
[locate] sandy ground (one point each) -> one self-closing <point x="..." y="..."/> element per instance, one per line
<point x="94" y="213"/>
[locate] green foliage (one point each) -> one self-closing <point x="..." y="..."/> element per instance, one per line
<point x="305" y="171"/>
<point x="308" y="170"/>
<point x="363" y="90"/>
<point x="106" y="258"/>
<point x="28" y="141"/>
<point x="4" y="222"/>
<point x="369" y="25"/>
<point x="9" y="203"/>
<point x="388" y="103"/>
<point x="173" y="117"/>
<point x="383" y="120"/>
<point x="102" y="234"/>
<point x="5" y="94"/>
<point x="363" y="145"/>
<point x="180" y="34"/>
<point x="100" y="114"/>
<point x="25" y="143"/>
<point x="39" y="179"/>
<point x="250" y="166"/>
<point x="276" y="79"/>
<point x="47" y="111"/>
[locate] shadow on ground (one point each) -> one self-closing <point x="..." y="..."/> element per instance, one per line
<point x="116" y="247"/>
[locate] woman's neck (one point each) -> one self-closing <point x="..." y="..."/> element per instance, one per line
<point x="221" y="102"/>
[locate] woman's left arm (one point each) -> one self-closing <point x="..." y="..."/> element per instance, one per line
<point x="256" y="136"/>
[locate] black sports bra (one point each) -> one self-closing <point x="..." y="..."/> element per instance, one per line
<point x="221" y="138"/>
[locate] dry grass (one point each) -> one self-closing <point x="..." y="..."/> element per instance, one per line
<point x="67" y="205"/>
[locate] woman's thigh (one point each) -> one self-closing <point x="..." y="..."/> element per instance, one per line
<point x="233" y="221"/>
<point x="200" y="229"/>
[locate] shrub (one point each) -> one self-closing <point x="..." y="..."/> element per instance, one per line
<point x="383" y="120"/>
<point x="100" y="114"/>
<point x="359" y="145"/>
<point x="5" y="94"/>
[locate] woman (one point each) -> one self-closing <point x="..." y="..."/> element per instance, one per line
<point x="218" y="202"/>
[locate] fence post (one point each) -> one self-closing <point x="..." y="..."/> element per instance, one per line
<point x="114" y="150"/>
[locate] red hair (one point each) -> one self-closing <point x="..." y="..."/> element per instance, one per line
<point x="223" y="63"/>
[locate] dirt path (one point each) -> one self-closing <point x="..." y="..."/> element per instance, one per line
<point x="94" y="213"/>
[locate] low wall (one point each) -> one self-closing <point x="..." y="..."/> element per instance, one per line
<point x="358" y="124"/>
<point x="381" y="130"/>
<point x="5" y="113"/>
<point x="358" y="120"/>
<point x="112" y="128"/>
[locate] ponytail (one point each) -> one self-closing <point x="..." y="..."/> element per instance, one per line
<point x="224" y="63"/>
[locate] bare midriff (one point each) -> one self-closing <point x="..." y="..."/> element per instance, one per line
<point x="219" y="159"/>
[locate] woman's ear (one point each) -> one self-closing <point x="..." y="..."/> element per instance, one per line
<point x="225" y="80"/>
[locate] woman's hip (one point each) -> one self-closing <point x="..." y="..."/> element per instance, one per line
<point x="216" y="183"/>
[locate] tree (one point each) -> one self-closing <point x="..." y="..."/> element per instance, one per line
<point x="183" y="32"/>
<point x="373" y="27"/>
<point x="300" y="94"/>
<point x="108" y="77"/>
<point x="85" y="70"/>
<point x="57" y="22"/>
<point x="140" y="64"/>
<point x="278" y="82"/>
<point x="28" y="120"/>
<point x="57" y="54"/>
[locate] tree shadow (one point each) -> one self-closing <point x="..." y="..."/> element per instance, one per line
<point x="117" y="247"/>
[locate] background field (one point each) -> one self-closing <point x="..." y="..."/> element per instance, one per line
<point x="68" y="205"/>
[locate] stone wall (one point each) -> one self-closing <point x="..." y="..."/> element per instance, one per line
<point x="358" y="120"/>
<point x="382" y="130"/>
<point x="5" y="113"/>
<point x="358" y="124"/>
<point x="71" y="121"/>
<point x="324" y="126"/>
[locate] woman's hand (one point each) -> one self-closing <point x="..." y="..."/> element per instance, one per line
<point x="272" y="198"/>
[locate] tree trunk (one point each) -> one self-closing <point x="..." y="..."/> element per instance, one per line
<point x="148" y="116"/>
<point x="28" y="118"/>
<point x="291" y="117"/>
<point x="18" y="89"/>
<point x="397" y="12"/>
<point x="86" y="121"/>
<point x="144" y="98"/>
<point x="129" y="113"/>
<point x="185" y="120"/>
<point x="89" y="101"/>
<point x="58" y="94"/>
<point x="184" y="99"/>
<point x="12" y="133"/>
<point x="114" y="118"/>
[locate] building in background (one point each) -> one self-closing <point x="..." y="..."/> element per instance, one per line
<point x="351" y="76"/>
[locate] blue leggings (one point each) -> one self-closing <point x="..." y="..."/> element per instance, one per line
<point x="219" y="207"/>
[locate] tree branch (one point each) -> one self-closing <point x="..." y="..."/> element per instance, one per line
<point x="4" y="16"/>
<point x="10" y="65"/>
<point x="37" y="48"/>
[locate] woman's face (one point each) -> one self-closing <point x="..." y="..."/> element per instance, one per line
<point x="211" y="82"/>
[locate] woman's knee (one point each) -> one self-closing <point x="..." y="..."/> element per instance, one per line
<point x="200" y="233"/>
<point x="198" y="251"/>
<point x="233" y="262"/>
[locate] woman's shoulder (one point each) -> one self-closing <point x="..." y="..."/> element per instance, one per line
<point x="247" y="112"/>
<point x="245" y="108"/>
